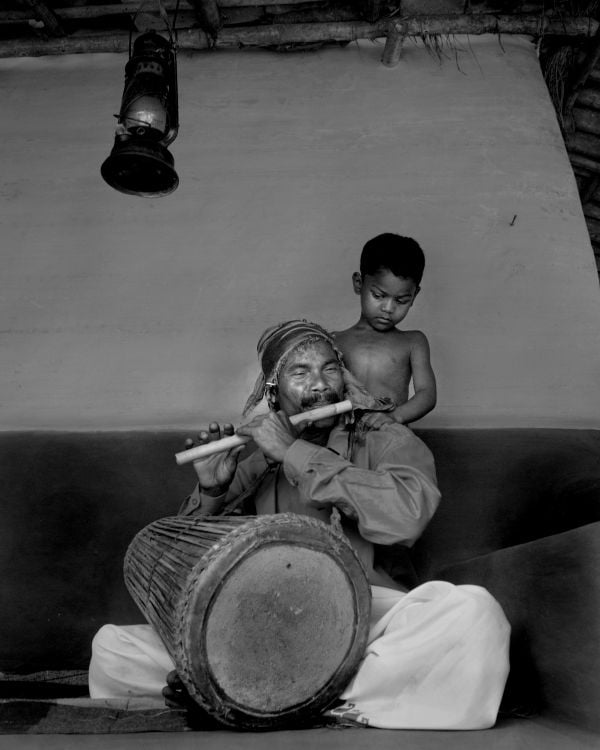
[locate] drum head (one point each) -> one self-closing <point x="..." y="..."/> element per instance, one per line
<point x="276" y="623"/>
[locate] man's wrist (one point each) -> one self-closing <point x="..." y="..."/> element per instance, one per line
<point x="296" y="459"/>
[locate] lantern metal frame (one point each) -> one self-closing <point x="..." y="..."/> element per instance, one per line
<point x="148" y="121"/>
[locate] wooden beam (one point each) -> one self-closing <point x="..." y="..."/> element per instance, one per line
<point x="132" y="6"/>
<point x="583" y="144"/>
<point x="129" y="7"/>
<point x="593" y="227"/>
<point x="581" y="181"/>
<point x="254" y="3"/>
<point x="44" y="14"/>
<point x="589" y="98"/>
<point x="488" y="23"/>
<point x="587" y="120"/>
<point x="396" y="33"/>
<point x="581" y="77"/>
<point x="275" y="35"/>
<point x="281" y="34"/>
<point x="587" y="195"/>
<point x="144" y="21"/>
<point x="594" y="77"/>
<point x="315" y="15"/>
<point x="208" y="15"/>
<point x="236" y="16"/>
<point x="592" y="209"/>
<point x="372" y="10"/>
<point x="584" y="162"/>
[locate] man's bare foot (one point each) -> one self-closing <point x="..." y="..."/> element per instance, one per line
<point x="177" y="697"/>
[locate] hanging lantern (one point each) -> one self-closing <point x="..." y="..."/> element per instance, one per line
<point x="140" y="163"/>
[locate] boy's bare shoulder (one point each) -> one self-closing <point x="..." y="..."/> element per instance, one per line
<point x="407" y="342"/>
<point x="394" y="338"/>
<point x="418" y="338"/>
<point x="348" y="337"/>
<point x="346" y="332"/>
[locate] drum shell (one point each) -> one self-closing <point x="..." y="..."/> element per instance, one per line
<point x="212" y="596"/>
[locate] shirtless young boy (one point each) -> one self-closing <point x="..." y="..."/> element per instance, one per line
<point x="380" y="356"/>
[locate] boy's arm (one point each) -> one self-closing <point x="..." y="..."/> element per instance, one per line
<point x="423" y="379"/>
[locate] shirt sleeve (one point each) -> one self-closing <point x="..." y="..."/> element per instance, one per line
<point x="391" y="502"/>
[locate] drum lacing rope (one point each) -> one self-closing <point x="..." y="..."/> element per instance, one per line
<point x="159" y="561"/>
<point x="336" y="520"/>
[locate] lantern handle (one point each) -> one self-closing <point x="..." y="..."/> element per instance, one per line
<point x="172" y="31"/>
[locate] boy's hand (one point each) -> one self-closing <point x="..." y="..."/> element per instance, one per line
<point x="375" y="420"/>
<point x="361" y="398"/>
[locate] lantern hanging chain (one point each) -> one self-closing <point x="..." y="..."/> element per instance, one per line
<point x="165" y="18"/>
<point x="171" y="29"/>
<point x="175" y="22"/>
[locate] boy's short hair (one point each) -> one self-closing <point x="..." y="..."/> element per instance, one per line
<point x="400" y="255"/>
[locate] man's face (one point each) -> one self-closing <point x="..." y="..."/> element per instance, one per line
<point x="310" y="377"/>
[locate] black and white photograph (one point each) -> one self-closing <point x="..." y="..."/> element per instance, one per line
<point x="300" y="384"/>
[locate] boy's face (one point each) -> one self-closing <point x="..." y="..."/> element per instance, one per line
<point x="385" y="298"/>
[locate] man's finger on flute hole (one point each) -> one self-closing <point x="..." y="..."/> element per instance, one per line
<point x="214" y="431"/>
<point x="228" y="429"/>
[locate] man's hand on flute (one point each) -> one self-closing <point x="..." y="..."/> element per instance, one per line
<point x="215" y="472"/>
<point x="273" y="433"/>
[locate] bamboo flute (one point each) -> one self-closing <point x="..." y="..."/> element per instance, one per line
<point x="233" y="441"/>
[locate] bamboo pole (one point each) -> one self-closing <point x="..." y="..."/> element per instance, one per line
<point x="447" y="23"/>
<point x="237" y="16"/>
<point x="281" y="34"/>
<point x="488" y="23"/>
<point x="584" y="162"/>
<point x="128" y="7"/>
<point x="396" y="33"/>
<point x="328" y="15"/>
<point x="584" y="144"/>
<point x="259" y="3"/>
<point x="592" y="211"/>
<point x="208" y="14"/>
<point x="587" y="120"/>
<point x="584" y="71"/>
<point x="43" y="13"/>
<point x="142" y="20"/>
<point x="594" y="77"/>
<point x="297" y="33"/>
<point x="372" y="10"/>
<point x="593" y="227"/>
<point x="589" y="98"/>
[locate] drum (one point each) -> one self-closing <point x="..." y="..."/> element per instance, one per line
<point x="266" y="618"/>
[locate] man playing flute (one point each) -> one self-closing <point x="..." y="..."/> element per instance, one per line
<point x="437" y="656"/>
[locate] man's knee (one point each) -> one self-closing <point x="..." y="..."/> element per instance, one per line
<point x="105" y="651"/>
<point x="484" y="610"/>
<point x="104" y="639"/>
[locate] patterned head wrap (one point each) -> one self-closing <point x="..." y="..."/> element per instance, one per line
<point x="275" y="346"/>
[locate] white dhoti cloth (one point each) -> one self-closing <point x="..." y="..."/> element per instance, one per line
<point x="437" y="658"/>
